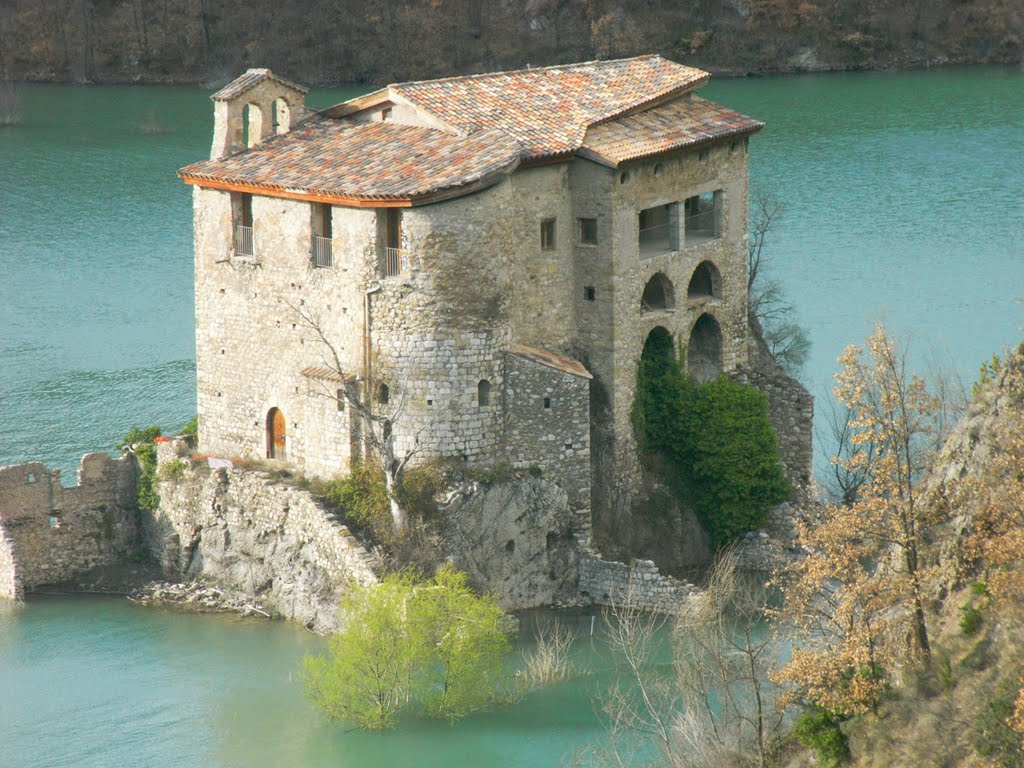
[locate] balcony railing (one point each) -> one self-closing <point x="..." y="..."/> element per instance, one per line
<point x="396" y="262"/>
<point x="655" y="239"/>
<point x="323" y="251"/>
<point x="703" y="225"/>
<point x="243" y="242"/>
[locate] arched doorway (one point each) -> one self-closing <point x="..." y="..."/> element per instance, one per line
<point x="659" y="294"/>
<point x="704" y="352"/>
<point x="275" y="434"/>
<point x="706" y="282"/>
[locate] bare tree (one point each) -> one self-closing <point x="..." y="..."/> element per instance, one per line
<point x="786" y="338"/>
<point x="718" y="707"/>
<point x="379" y="422"/>
<point x="844" y="477"/>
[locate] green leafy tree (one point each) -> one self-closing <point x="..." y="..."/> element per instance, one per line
<point x="407" y="642"/>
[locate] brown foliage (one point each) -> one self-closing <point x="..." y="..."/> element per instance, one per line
<point x="857" y="598"/>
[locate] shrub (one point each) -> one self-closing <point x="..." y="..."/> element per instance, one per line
<point x="432" y="644"/>
<point x="971" y="620"/>
<point x="190" y="429"/>
<point x="993" y="737"/>
<point x="822" y="731"/>
<point x="716" y="440"/>
<point x="173" y="470"/>
<point x="140" y="441"/>
<point x="362" y="498"/>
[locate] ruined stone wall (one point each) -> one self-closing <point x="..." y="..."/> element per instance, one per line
<point x="638" y="584"/>
<point x="547" y="425"/>
<point x="240" y="530"/>
<point x="50" y="534"/>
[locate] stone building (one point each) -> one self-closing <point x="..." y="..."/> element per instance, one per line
<point x="480" y="257"/>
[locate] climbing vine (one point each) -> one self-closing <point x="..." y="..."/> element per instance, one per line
<point x="140" y="441"/>
<point x="713" y="442"/>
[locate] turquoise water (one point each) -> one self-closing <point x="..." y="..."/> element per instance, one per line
<point x="903" y="204"/>
<point x="100" y="682"/>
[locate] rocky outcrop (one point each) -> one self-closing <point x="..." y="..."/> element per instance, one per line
<point x="515" y="539"/>
<point x="241" y="530"/>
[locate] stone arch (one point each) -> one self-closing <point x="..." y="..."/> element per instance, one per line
<point x="276" y="434"/>
<point x="705" y="283"/>
<point x="252" y="125"/>
<point x="659" y="294"/>
<point x="483" y="393"/>
<point x="704" y="350"/>
<point x="659" y="345"/>
<point x="282" y="116"/>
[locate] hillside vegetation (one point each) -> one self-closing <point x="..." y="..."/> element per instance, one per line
<point x="341" y="41"/>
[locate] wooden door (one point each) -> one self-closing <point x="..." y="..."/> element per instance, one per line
<point x="275" y="434"/>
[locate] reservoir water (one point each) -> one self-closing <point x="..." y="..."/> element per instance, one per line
<point x="903" y="196"/>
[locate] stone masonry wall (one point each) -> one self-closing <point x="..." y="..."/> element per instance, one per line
<point x="547" y="425"/>
<point x="242" y="531"/>
<point x="790" y="407"/>
<point x="50" y="534"/>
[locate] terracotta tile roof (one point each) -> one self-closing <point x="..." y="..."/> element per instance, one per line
<point x="548" y="110"/>
<point x="680" y="123"/>
<point x="486" y="124"/>
<point x="551" y="360"/>
<point x="244" y="82"/>
<point x="381" y="161"/>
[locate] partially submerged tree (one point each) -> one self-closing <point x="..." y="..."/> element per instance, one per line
<point x="857" y="597"/>
<point x="431" y="644"/>
<point x="714" y="704"/>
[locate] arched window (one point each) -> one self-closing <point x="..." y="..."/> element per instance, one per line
<point x="252" y="125"/>
<point x="706" y="282"/>
<point x="383" y="394"/>
<point x="282" y="116"/>
<point x="483" y="393"/>
<point x="659" y="294"/>
<point x="704" y="352"/>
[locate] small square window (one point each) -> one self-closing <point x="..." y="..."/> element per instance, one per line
<point x="589" y="293"/>
<point x="547" y="235"/>
<point x="588" y="231"/>
<point x="547" y="403"/>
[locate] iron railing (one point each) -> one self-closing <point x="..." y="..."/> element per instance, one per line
<point x="243" y="242"/>
<point x="396" y="262"/>
<point x="323" y="251"/>
<point x="703" y="225"/>
<point x="656" y="239"/>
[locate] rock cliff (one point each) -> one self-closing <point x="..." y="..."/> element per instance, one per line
<point x="343" y="41"/>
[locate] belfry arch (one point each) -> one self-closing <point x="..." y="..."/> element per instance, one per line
<point x="705" y="283"/>
<point x="659" y="294"/>
<point x="704" y="350"/>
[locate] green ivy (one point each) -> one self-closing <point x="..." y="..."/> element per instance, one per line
<point x="140" y="441"/>
<point x="715" y="441"/>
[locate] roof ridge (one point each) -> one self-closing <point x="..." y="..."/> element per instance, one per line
<point x="506" y="72"/>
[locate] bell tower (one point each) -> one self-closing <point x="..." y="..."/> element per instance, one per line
<point x="252" y="108"/>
